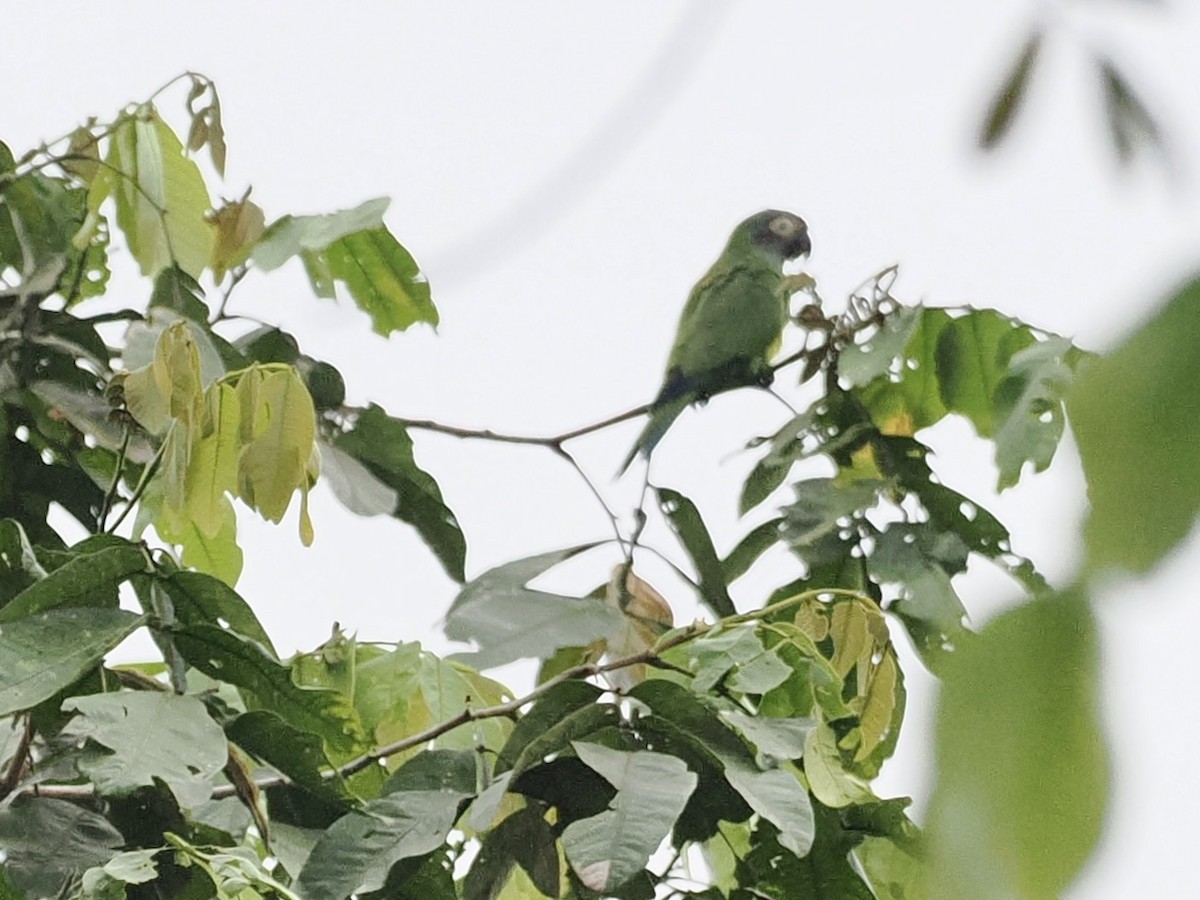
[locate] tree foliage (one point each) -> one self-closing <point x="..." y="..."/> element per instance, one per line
<point x="727" y="758"/>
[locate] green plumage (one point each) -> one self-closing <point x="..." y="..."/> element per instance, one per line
<point x="733" y="321"/>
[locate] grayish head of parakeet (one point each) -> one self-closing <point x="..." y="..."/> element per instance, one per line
<point x="776" y="235"/>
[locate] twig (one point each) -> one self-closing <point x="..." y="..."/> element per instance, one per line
<point x="554" y="442"/>
<point x="115" y="484"/>
<point x="20" y="758"/>
<point x="143" y="481"/>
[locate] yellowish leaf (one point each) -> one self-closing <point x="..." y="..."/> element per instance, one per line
<point x="160" y="194"/>
<point x="647" y="617"/>
<point x="273" y="465"/>
<point x="238" y="226"/>
<point x="880" y="704"/>
<point x="213" y="466"/>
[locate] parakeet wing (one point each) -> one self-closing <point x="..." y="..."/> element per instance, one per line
<point x="736" y="312"/>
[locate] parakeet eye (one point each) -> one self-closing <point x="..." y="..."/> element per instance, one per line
<point x="784" y="226"/>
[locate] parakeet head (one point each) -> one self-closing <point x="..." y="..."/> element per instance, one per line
<point x="776" y="234"/>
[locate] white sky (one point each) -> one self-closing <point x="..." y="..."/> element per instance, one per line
<point x="565" y="172"/>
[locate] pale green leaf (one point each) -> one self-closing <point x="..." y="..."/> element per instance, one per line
<point x="273" y="463"/>
<point x="606" y="850"/>
<point x="148" y="736"/>
<point x="508" y="620"/>
<point x="1019" y="801"/>
<point x="160" y="194"/>
<point x="291" y="235"/>
<point x="1136" y="416"/>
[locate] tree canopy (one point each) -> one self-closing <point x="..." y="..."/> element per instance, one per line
<point x="730" y="757"/>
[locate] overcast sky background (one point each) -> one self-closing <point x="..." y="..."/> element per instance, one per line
<point x="565" y="172"/>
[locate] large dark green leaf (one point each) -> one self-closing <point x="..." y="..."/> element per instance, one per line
<point x="43" y="653"/>
<point x="1136" y="415"/>
<point x="231" y="658"/>
<point x="47" y="841"/>
<point x="89" y="579"/>
<point x="296" y="753"/>
<point x="357" y="851"/>
<point x="547" y="711"/>
<point x="381" y="444"/>
<point x="19" y="566"/>
<point x="973" y="352"/>
<point x="687" y="524"/>
<point x="1022" y="766"/>
<point x="507" y="620"/>
<point x="524" y="838"/>
<point x="201" y="599"/>
<point x="774" y="793"/>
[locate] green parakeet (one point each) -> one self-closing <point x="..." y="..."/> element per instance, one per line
<point x="733" y="321"/>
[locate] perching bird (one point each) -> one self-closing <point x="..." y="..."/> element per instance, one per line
<point x="733" y="322"/>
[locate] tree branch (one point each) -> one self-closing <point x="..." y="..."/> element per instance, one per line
<point x="372" y="757"/>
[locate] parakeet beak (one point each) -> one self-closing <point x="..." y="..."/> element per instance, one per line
<point x="800" y="245"/>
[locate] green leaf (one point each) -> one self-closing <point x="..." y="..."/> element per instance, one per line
<point x="382" y="445"/>
<point x="148" y="736"/>
<point x="524" y="838"/>
<point x="508" y="620"/>
<point x="652" y="788"/>
<point x="973" y="352"/>
<point x="906" y="396"/>
<point x="1022" y="766"/>
<point x="354" y="247"/>
<point x="279" y="416"/>
<point x="1009" y="99"/>
<point x="354" y="485"/>
<point x="383" y="278"/>
<point x="781" y="738"/>
<point x="830" y="781"/>
<point x="176" y="290"/>
<point x="160" y="195"/>
<point x="1130" y="123"/>
<point x="47" y="841"/>
<point x="232" y="869"/>
<point x="760" y="539"/>
<point x="547" y="711"/>
<point x="825" y="871"/>
<point x="43" y="653"/>
<point x="236" y="660"/>
<point x="1136" y="416"/>
<point x="89" y="579"/>
<point x="820" y="508"/>
<point x="130" y="867"/>
<point x="685" y="521"/>
<point x="201" y="599"/>
<point x="887" y="347"/>
<point x="19" y="566"/>
<point x="296" y="753"/>
<point x="920" y="560"/>
<point x="1029" y="408"/>
<point x="291" y="235"/>
<point x="432" y="692"/>
<point x="774" y="793"/>
<point x="356" y="852"/>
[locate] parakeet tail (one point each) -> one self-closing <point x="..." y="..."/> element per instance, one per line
<point x="662" y="415"/>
